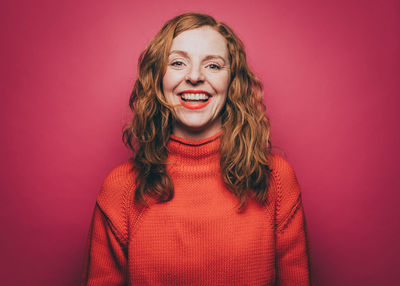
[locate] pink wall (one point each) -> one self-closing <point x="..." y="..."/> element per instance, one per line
<point x="331" y="72"/>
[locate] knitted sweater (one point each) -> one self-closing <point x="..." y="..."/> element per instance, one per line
<point x="199" y="237"/>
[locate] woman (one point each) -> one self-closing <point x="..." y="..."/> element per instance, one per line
<point x="203" y="200"/>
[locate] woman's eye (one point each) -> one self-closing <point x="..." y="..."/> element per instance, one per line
<point x="214" y="66"/>
<point x="177" y="64"/>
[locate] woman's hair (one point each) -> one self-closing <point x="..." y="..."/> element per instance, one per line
<point x="245" y="142"/>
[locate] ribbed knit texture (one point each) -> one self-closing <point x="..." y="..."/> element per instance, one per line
<point x="199" y="237"/>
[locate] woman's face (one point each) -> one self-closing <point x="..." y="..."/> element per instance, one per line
<point x="196" y="82"/>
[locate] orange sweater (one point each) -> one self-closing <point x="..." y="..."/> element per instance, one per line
<point x="197" y="238"/>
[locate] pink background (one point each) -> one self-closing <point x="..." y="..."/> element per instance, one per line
<point x="331" y="72"/>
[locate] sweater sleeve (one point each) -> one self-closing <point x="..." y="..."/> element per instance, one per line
<point x="106" y="258"/>
<point x="292" y="256"/>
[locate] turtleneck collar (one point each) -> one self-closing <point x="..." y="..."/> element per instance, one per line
<point x="195" y="149"/>
<point x="194" y="158"/>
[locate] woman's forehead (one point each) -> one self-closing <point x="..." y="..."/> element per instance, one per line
<point x="200" y="41"/>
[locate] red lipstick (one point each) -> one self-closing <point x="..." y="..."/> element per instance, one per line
<point x="194" y="104"/>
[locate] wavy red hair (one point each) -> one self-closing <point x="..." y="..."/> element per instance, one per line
<point x="244" y="153"/>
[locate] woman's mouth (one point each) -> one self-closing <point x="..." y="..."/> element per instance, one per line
<point x="194" y="99"/>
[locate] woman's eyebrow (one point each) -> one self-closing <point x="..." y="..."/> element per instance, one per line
<point x="185" y="54"/>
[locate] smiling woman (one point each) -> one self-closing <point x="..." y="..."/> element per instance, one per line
<point x="197" y="77"/>
<point x="203" y="200"/>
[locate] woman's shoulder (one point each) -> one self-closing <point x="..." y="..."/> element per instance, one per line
<point x="115" y="195"/>
<point x="284" y="182"/>
<point x="119" y="177"/>
<point x="281" y="168"/>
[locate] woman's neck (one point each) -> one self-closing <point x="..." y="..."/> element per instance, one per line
<point x="196" y="134"/>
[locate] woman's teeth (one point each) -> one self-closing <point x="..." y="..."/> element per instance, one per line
<point x="195" y="96"/>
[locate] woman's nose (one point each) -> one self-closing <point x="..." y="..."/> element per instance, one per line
<point x="195" y="75"/>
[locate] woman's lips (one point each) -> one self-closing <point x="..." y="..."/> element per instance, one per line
<point x="194" y="99"/>
<point x="193" y="104"/>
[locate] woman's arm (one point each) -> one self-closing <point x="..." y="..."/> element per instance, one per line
<point x="106" y="258"/>
<point x="292" y="255"/>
